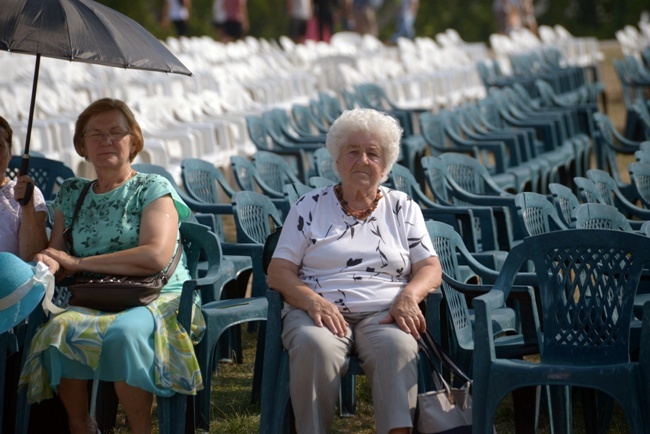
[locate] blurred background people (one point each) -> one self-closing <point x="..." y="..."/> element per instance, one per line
<point x="364" y="13"/>
<point x="300" y="12"/>
<point x="405" y="20"/>
<point x="230" y="19"/>
<point x="178" y="13"/>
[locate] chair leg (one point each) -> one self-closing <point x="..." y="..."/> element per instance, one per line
<point x="347" y="401"/>
<point x="107" y="403"/>
<point x="524" y="408"/>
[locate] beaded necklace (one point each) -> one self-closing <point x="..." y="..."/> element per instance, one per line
<point x="357" y="214"/>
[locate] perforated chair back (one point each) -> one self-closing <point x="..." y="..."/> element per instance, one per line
<point x="202" y="180"/>
<point x="537" y="213"/>
<point x="600" y="216"/>
<point x="255" y="217"/>
<point x="47" y="174"/>
<point x="640" y="177"/>
<point x="565" y="202"/>
<point x="273" y="169"/>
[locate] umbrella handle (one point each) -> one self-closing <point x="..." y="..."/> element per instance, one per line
<point x="29" y="188"/>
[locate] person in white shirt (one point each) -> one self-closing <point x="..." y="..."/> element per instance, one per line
<point x="22" y="227"/>
<point x="353" y="262"/>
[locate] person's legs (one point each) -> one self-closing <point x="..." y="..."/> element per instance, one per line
<point x="74" y="395"/>
<point x="317" y="360"/>
<point x="137" y="404"/>
<point x="128" y="344"/>
<point x="388" y="357"/>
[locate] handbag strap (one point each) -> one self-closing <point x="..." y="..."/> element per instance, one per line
<point x="427" y="341"/>
<point x="67" y="235"/>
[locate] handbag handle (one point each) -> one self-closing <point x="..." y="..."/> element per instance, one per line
<point x="427" y="342"/>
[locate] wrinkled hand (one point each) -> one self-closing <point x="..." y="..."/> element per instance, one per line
<point x="325" y="313"/>
<point x="406" y="313"/>
<point x="58" y="261"/>
<point x="21" y="187"/>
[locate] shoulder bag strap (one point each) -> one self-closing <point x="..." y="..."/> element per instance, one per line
<point x="67" y="234"/>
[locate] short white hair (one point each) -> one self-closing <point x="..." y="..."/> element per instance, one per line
<point x="381" y="126"/>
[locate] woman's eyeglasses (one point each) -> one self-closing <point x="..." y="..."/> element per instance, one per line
<point x="114" y="135"/>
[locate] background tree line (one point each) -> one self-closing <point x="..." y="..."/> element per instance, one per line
<point x="473" y="19"/>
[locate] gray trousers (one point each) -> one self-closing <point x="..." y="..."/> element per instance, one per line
<point x="318" y="360"/>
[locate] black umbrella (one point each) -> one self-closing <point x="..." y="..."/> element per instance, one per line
<point x="79" y="31"/>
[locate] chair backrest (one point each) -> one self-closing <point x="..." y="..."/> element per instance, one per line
<point x="588" y="280"/>
<point x="372" y="95"/>
<point x="294" y="190"/>
<point x="248" y="178"/>
<point x="640" y="177"/>
<point x="202" y="180"/>
<point x="320" y="182"/>
<point x="305" y="122"/>
<point x="403" y="180"/>
<point x="537" y="213"/>
<point x="600" y="216"/>
<point x="435" y="176"/>
<point x="588" y="190"/>
<point x="257" y="132"/>
<point x="47" y="174"/>
<point x="446" y="242"/>
<point x="565" y="202"/>
<point x="468" y="173"/>
<point x="214" y="221"/>
<point x="255" y="217"/>
<point x="273" y="169"/>
<point x="432" y="129"/>
<point x="323" y="164"/>
<point x="331" y="106"/>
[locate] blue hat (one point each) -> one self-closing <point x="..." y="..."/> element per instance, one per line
<point x="22" y="286"/>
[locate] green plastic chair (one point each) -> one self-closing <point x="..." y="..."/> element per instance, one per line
<point x="248" y="178"/>
<point x="47" y="174"/>
<point x="261" y="137"/>
<point x="273" y="169"/>
<point x="513" y="329"/>
<point x="478" y="229"/>
<point x="640" y="177"/>
<point x="537" y="214"/>
<point x="583" y="330"/>
<point x="612" y="195"/>
<point x="565" y="202"/>
<point x="436" y="178"/>
<point x="470" y="183"/>
<point x="600" y="216"/>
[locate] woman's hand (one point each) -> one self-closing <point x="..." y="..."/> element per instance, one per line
<point x="325" y="313"/>
<point x="406" y="313"/>
<point x="59" y="262"/>
<point x="21" y="188"/>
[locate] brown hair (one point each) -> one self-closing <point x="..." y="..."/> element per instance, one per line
<point x="10" y="133"/>
<point x="101" y="106"/>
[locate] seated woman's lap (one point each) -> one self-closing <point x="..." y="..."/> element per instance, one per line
<point x="126" y="354"/>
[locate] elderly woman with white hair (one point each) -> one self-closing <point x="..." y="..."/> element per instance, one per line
<point x="353" y="262"/>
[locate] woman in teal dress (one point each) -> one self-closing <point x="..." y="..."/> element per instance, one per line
<point x="127" y="225"/>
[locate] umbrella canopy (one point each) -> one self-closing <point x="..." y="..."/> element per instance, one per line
<point x="79" y="31"/>
<point x="82" y="31"/>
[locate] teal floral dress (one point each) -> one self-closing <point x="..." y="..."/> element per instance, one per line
<point x="143" y="346"/>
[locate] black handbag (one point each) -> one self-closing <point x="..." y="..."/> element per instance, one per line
<point x="112" y="293"/>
